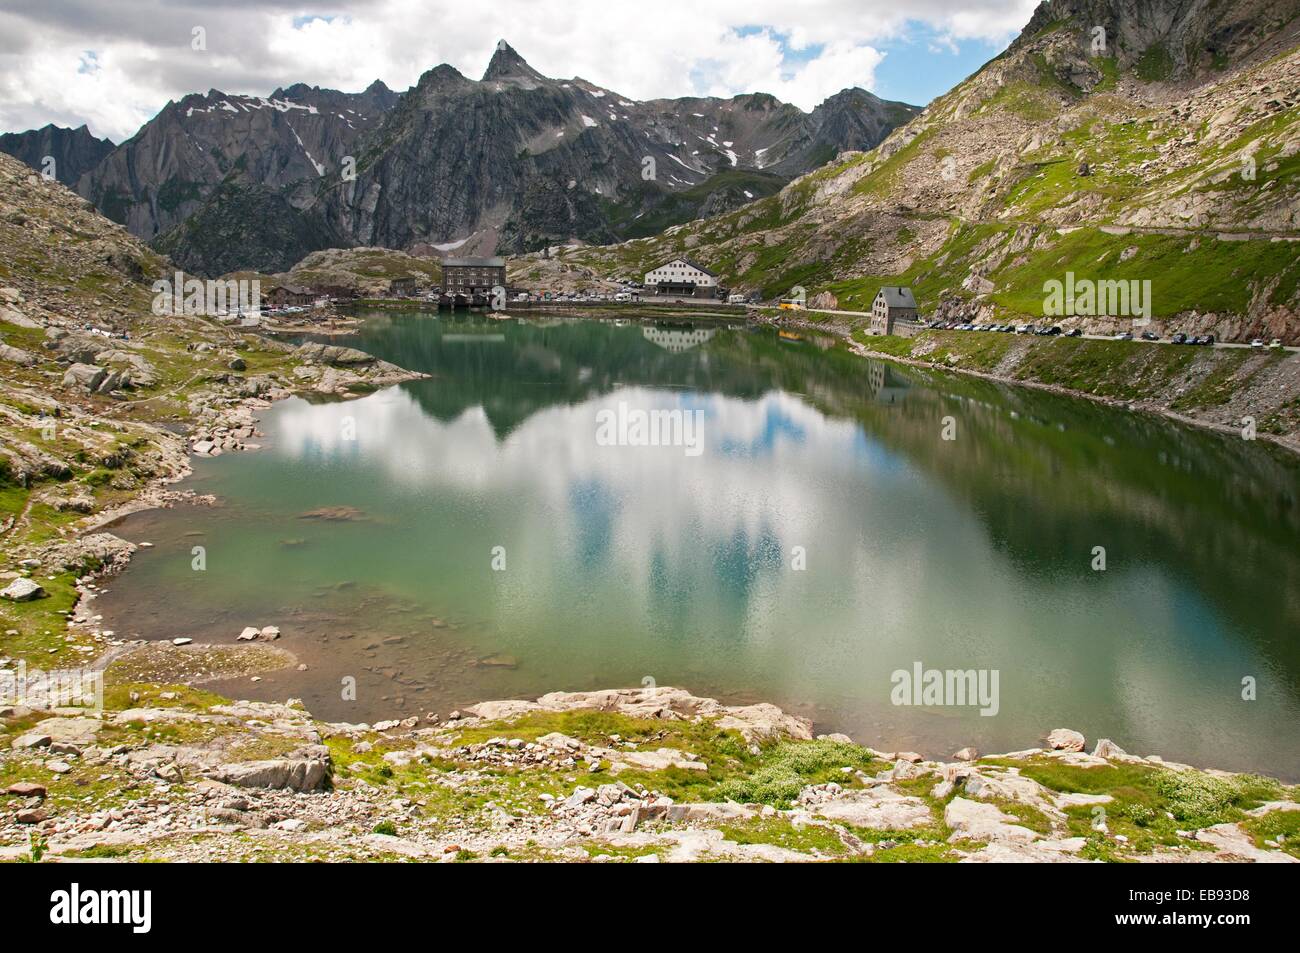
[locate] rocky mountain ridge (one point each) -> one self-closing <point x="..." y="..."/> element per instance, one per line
<point x="512" y="162"/>
<point x="548" y="161"/>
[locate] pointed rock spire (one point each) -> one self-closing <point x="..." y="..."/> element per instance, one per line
<point x="507" y="64"/>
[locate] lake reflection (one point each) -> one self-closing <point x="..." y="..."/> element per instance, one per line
<point x="625" y="563"/>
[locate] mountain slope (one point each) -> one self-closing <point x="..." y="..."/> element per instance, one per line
<point x="74" y="151"/>
<point x="1052" y="160"/>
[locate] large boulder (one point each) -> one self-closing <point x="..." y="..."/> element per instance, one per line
<point x="1064" y="739"/>
<point x="15" y="355"/>
<point x="88" y="377"/>
<point x="305" y="770"/>
<point x="980" y="821"/>
<point x="22" y="590"/>
<point x="97" y="549"/>
<point x="753" y="722"/>
<point x="879" y="808"/>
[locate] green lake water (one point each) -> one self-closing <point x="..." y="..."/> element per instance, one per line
<point x="630" y="564"/>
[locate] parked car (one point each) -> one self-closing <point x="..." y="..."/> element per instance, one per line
<point x="1125" y="336"/>
<point x="1257" y="343"/>
<point x="1025" y="329"/>
<point x="1054" y="330"/>
<point x="1150" y="336"/>
<point x="1276" y="342"/>
<point x="1074" y="333"/>
<point x="1179" y="338"/>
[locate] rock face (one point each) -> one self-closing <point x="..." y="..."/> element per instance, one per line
<point x="261" y="156"/>
<point x="74" y="151"/>
<point x="1180" y="39"/>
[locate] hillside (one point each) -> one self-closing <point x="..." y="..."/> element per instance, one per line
<point x="1133" y="164"/>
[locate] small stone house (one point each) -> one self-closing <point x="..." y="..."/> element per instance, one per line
<point x="290" y="296"/>
<point x="894" y="311"/>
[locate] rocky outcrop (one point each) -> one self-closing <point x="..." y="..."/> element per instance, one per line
<point x="754" y="722"/>
<point x="307" y="770"/>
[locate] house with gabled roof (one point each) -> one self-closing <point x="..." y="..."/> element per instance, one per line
<point x="894" y="311"/>
<point x="681" y="276"/>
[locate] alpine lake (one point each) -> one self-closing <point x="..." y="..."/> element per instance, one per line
<point x="819" y="523"/>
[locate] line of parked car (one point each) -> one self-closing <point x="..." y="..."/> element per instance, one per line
<point x="1054" y="330"/>
<point x="1004" y="328"/>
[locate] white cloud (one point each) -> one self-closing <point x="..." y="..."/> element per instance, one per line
<point x="142" y="53"/>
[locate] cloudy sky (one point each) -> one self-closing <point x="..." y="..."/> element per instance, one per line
<point x="114" y="64"/>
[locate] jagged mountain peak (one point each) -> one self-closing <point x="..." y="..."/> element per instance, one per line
<point x="507" y="64"/>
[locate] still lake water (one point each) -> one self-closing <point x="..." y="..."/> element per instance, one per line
<point x="631" y="563"/>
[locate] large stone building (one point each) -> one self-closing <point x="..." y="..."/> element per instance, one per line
<point x="289" y="296"/>
<point x="468" y="276"/>
<point x="894" y="312"/>
<point x="682" y="276"/>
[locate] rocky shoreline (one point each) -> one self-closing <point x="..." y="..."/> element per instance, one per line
<point x="639" y="775"/>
